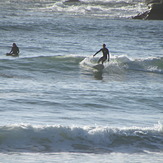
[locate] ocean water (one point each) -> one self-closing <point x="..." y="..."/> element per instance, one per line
<point x="55" y="107"/>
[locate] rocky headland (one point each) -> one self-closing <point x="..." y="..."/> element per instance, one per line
<point x="155" y="11"/>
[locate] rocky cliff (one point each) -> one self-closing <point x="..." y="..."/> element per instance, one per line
<point x="155" y="11"/>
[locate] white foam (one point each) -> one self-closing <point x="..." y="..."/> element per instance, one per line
<point x="109" y="8"/>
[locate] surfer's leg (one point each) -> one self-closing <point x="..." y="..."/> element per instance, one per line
<point x="101" y="59"/>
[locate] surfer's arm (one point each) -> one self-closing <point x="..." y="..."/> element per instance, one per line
<point x="108" y="57"/>
<point x="18" y="50"/>
<point x="97" y="52"/>
<point x="11" y="51"/>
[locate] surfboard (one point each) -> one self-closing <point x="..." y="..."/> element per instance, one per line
<point x="99" y="67"/>
<point x="12" y="55"/>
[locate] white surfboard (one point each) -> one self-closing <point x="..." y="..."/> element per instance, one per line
<point x="99" y="67"/>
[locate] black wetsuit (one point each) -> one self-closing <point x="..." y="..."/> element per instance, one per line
<point x="105" y="52"/>
<point x="15" y="50"/>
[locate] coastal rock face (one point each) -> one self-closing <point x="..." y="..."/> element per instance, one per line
<point x="72" y="1"/>
<point x="155" y="11"/>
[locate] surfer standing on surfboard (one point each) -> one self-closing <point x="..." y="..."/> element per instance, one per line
<point x="106" y="54"/>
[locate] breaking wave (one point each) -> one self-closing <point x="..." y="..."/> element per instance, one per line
<point x="119" y="63"/>
<point x="109" y="8"/>
<point x="73" y="64"/>
<point x="28" y="138"/>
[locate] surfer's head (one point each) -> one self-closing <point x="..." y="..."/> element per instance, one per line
<point x="14" y="44"/>
<point x="104" y="45"/>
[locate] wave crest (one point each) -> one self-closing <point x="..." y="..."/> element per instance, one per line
<point x="27" y="138"/>
<point x="122" y="63"/>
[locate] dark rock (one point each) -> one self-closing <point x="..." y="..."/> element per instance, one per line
<point x="141" y="15"/>
<point x="155" y="11"/>
<point x="72" y="1"/>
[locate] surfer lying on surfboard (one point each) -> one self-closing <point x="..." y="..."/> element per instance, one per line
<point x="14" y="51"/>
<point x="106" y="54"/>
